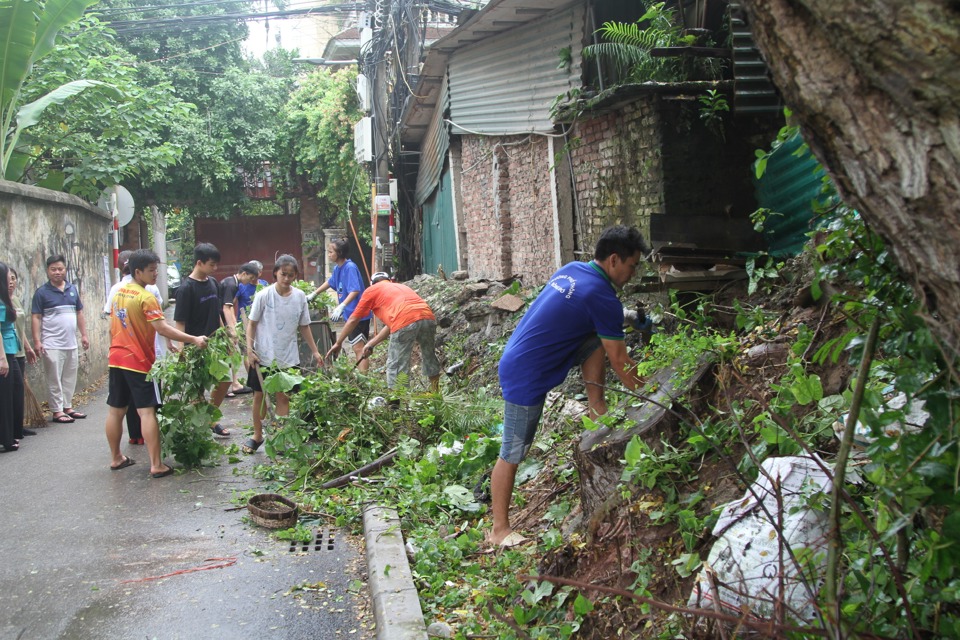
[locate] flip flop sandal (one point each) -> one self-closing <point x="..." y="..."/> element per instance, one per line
<point x="219" y="431"/>
<point x="62" y="419"/>
<point x="251" y="446"/>
<point x="76" y="415"/>
<point x="127" y="462"/>
<point x="162" y="474"/>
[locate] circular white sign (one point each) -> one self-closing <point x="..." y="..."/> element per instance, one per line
<point x="125" y="208"/>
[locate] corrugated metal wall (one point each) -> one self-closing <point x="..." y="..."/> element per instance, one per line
<point x="440" y="230"/>
<point x="506" y="84"/>
<point x="433" y="148"/>
<point x="788" y="186"/>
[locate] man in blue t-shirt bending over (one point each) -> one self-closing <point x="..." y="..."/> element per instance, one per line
<point x="576" y="314"/>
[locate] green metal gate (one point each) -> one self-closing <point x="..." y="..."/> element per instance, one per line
<point x="440" y="229"/>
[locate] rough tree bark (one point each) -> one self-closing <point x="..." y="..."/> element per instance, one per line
<point x="875" y="87"/>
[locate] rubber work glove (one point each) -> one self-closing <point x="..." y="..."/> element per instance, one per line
<point x="639" y="321"/>
<point x="337" y="314"/>
<point x="311" y="296"/>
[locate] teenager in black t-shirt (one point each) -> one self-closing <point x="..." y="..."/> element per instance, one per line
<point x="199" y="308"/>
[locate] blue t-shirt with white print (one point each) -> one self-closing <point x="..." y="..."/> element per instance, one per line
<point x="578" y="301"/>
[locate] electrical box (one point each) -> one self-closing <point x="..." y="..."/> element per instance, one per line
<point x="393" y="190"/>
<point x="363" y="140"/>
<point x="363" y="93"/>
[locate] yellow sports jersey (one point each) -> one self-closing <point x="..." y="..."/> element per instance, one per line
<point x="131" y="332"/>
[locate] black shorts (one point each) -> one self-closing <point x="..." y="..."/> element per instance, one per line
<point x="254" y="383"/>
<point x="361" y="333"/>
<point x="132" y="387"/>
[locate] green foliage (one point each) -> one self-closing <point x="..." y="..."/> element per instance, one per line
<point x="28" y="30"/>
<point x="712" y="107"/>
<point x="899" y="537"/>
<point x="627" y="49"/>
<point x="763" y="272"/>
<point x="316" y="141"/>
<point x="101" y="136"/>
<point x="320" y="303"/>
<point x="231" y="125"/>
<point x="185" y="418"/>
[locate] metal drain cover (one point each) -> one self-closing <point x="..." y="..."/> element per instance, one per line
<point x="323" y="540"/>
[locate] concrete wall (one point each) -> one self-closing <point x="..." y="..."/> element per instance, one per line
<point x="34" y="224"/>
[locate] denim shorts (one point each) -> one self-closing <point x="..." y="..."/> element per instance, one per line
<point x="519" y="427"/>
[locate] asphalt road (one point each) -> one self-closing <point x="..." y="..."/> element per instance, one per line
<point x="84" y="548"/>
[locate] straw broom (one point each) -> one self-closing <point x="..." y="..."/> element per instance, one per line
<point x="32" y="411"/>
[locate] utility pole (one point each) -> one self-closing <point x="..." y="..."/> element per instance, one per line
<point x="376" y="56"/>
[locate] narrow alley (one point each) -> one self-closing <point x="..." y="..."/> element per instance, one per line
<point x="92" y="553"/>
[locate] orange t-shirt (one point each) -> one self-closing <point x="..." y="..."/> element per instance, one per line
<point x="395" y="304"/>
<point x="131" y="332"/>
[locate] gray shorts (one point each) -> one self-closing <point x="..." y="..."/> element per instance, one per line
<point x="422" y="332"/>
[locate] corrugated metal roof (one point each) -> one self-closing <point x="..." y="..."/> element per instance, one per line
<point x="433" y="149"/>
<point x="497" y="17"/>
<point x="506" y="84"/>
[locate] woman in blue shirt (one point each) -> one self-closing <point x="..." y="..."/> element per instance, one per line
<point x="11" y="380"/>
<point x="348" y="283"/>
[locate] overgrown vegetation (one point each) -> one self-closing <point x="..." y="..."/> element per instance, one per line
<point x="789" y="380"/>
<point x="627" y="48"/>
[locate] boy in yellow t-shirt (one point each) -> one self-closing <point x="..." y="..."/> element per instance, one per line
<point x="136" y="319"/>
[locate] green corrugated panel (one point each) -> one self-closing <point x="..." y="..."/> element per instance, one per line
<point x="788" y="186"/>
<point x="440" y="229"/>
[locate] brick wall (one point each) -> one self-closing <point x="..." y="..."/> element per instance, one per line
<point x="507" y="207"/>
<point x="617" y="170"/>
<point x="649" y="163"/>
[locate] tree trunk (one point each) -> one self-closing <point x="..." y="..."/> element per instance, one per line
<point x="599" y="456"/>
<point x="160" y="248"/>
<point x="875" y="87"/>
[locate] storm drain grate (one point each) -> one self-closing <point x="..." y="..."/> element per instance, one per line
<point x="323" y="541"/>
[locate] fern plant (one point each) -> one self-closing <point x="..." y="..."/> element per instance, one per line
<point x="629" y="44"/>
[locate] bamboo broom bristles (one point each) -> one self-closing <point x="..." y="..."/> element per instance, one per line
<point x="33" y="415"/>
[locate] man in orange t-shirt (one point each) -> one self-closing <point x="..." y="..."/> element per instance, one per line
<point x="136" y="318"/>
<point x="408" y="319"/>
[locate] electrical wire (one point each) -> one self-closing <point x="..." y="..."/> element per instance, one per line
<point x="514" y="133"/>
<point x="179" y="22"/>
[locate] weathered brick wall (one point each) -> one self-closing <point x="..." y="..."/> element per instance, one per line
<point x="617" y="170"/>
<point x="507" y="207"/>
<point x="649" y="163"/>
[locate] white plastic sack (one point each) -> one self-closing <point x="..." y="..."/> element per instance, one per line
<point x="746" y="559"/>
<point x="916" y="417"/>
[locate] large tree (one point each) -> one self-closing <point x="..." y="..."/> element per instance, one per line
<point x="95" y="140"/>
<point x="315" y="144"/>
<point x="875" y="87"/>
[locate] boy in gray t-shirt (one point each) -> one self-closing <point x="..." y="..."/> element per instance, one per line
<point x="278" y="312"/>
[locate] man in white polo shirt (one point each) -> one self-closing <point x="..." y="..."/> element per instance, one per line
<point x="57" y="313"/>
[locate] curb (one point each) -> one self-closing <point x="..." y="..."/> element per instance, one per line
<point x="396" y="605"/>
